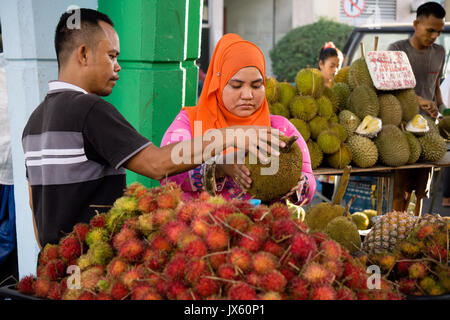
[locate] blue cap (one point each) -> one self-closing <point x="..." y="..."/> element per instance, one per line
<point x="255" y="202"/>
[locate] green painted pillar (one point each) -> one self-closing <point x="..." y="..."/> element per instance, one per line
<point x="159" y="43"/>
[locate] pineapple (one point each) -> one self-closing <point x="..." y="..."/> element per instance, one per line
<point x="387" y="231"/>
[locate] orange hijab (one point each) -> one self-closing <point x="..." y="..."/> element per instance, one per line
<point x="231" y="54"/>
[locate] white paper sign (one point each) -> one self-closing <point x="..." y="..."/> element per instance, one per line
<point x="390" y="70"/>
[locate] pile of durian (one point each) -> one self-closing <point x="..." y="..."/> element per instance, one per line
<point x="354" y="123"/>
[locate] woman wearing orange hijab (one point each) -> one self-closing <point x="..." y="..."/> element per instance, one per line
<point x="233" y="94"/>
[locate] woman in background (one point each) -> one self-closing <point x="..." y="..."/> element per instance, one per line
<point x="330" y="61"/>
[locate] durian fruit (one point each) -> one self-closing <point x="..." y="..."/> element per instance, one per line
<point x="285" y="174"/>
<point x="431" y="124"/>
<point x="342" y="92"/>
<point x="309" y="82"/>
<point x="349" y="121"/>
<point x="363" y="101"/>
<point x="329" y="93"/>
<point x="272" y="88"/>
<point x="339" y="130"/>
<point x="325" y="107"/>
<point x="393" y="146"/>
<point x="302" y="127"/>
<point x="390" y="109"/>
<point x="341" y="158"/>
<point x="328" y="141"/>
<point x="334" y="118"/>
<point x="434" y="147"/>
<point x="415" y="149"/>
<point x="315" y="154"/>
<point x="387" y="231"/>
<point x="287" y="93"/>
<point x="358" y="74"/>
<point x="342" y="75"/>
<point x="410" y="104"/>
<point x="303" y="107"/>
<point x="418" y="125"/>
<point x="369" y="127"/>
<point x="318" y="217"/>
<point x="444" y="127"/>
<point x="364" y="151"/>
<point x="370" y="213"/>
<point x="344" y="231"/>
<point x="361" y="220"/>
<point x="317" y="125"/>
<point x="279" y="109"/>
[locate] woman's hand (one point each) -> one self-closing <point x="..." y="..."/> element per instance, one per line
<point x="238" y="172"/>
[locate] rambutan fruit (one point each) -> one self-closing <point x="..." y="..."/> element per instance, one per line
<point x="283" y="228"/>
<point x="319" y="237"/>
<point x="90" y="277"/>
<point x="159" y="242"/>
<point x="145" y="223"/>
<point x="238" y="221"/>
<point x="26" y="285"/>
<point x="402" y="267"/>
<point x="162" y="216"/>
<point x="69" y="248"/>
<point x="131" y="277"/>
<point x="261" y="215"/>
<point x="206" y="287"/>
<point x="354" y="276"/>
<point x="131" y="189"/>
<point x="273" y="281"/>
<point x="253" y="279"/>
<point x="197" y="268"/>
<point x="437" y="252"/>
<point x="97" y="235"/>
<point x="42" y="287"/>
<point x="71" y="294"/>
<point x="271" y="296"/>
<point x="417" y="270"/>
<point x="407" y="286"/>
<point x="123" y="236"/>
<point x="80" y="230"/>
<point x="279" y="211"/>
<point x="167" y="200"/>
<point x="98" y="221"/>
<point x="131" y="223"/>
<point x="363" y="295"/>
<point x="227" y="271"/>
<point x="204" y="209"/>
<point x="334" y="266"/>
<point x="323" y="293"/>
<point x="154" y="259"/>
<point x="316" y="275"/>
<point x="140" y="291"/>
<point x="264" y="262"/>
<point x="240" y="258"/>
<point x="425" y="231"/>
<point x="258" y="231"/>
<point x="186" y="212"/>
<point x="54" y="269"/>
<point x="175" y="289"/>
<point x="217" y="260"/>
<point x="196" y="248"/>
<point x="119" y="290"/>
<point x="330" y="249"/>
<point x="216" y="238"/>
<point x="147" y="203"/>
<point x="116" y="267"/>
<point x="287" y="273"/>
<point x="273" y="248"/>
<point x="409" y="249"/>
<point x="55" y="291"/>
<point x="199" y="226"/>
<point x="132" y="250"/>
<point x="87" y="295"/>
<point x="250" y="243"/>
<point x="50" y="252"/>
<point x="299" y="289"/>
<point x="244" y="206"/>
<point x="175" y="268"/>
<point x="242" y="291"/>
<point x="345" y="293"/>
<point x="303" y="247"/>
<point x="104" y="296"/>
<point x="126" y="203"/>
<point x="100" y="253"/>
<point x="173" y="230"/>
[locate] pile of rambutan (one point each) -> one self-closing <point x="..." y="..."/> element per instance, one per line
<point x="419" y="265"/>
<point x="152" y="245"/>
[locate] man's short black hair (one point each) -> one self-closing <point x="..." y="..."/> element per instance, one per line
<point x="69" y="36"/>
<point x="431" y="8"/>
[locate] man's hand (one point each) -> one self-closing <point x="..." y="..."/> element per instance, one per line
<point x="238" y="172"/>
<point x="429" y="106"/>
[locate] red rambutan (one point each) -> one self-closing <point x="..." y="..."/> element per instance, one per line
<point x="69" y="248"/>
<point x="287" y="273"/>
<point x="132" y="250"/>
<point x="425" y="231"/>
<point x="217" y="260"/>
<point x="273" y="281"/>
<point x="116" y="267"/>
<point x="242" y="291"/>
<point x="330" y="249"/>
<point x="147" y="203"/>
<point x="80" y="230"/>
<point x="175" y="268"/>
<point x="271" y="296"/>
<point x="283" y="228"/>
<point x="104" y="296"/>
<point x="226" y="271"/>
<point x="273" y="248"/>
<point x="160" y="243"/>
<point x="345" y="293"/>
<point x="55" y="291"/>
<point x="50" y="252"/>
<point x="54" y="269"/>
<point x="197" y="268"/>
<point x="206" y="287"/>
<point x="238" y="221"/>
<point x="316" y="275"/>
<point x="131" y="277"/>
<point x="216" y="238"/>
<point x="240" y="258"/>
<point x="26" y="285"/>
<point x="354" y="276"/>
<point x="42" y="287"/>
<point x="303" y="247"/>
<point x="175" y="289"/>
<point x="154" y="259"/>
<point x="299" y="289"/>
<point x="87" y="295"/>
<point x="187" y="212"/>
<point x="163" y="216"/>
<point x="402" y="267"/>
<point x="173" y="230"/>
<point x="334" y="266"/>
<point x="323" y="293"/>
<point x="119" y="290"/>
<point x="91" y="276"/>
<point x="253" y="279"/>
<point x="280" y="211"/>
<point x="167" y="200"/>
<point x="199" y="226"/>
<point x="264" y="262"/>
<point x="98" y="221"/>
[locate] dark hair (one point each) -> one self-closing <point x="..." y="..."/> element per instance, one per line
<point x="324" y="54"/>
<point x="431" y="8"/>
<point x="67" y="39"/>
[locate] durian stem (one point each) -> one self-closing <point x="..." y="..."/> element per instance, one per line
<point x="361" y="44"/>
<point x="342" y="185"/>
<point x="289" y="144"/>
<point x="375" y="48"/>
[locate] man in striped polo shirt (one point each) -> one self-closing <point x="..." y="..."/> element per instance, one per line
<point x="77" y="145"/>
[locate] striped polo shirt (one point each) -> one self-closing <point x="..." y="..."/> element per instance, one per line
<point x="75" y="145"/>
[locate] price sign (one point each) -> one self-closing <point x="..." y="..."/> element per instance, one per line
<point x="390" y="70"/>
<point x="353" y="8"/>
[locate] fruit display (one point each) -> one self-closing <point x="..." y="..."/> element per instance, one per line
<point x="154" y="245"/>
<point x="419" y="264"/>
<point x="394" y="132"/>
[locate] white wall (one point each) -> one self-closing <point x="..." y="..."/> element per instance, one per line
<point x="309" y="11"/>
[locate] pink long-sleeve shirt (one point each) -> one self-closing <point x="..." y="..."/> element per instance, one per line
<point x="191" y="181"/>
